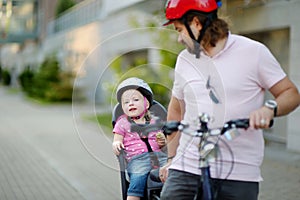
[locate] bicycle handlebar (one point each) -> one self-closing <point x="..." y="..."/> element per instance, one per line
<point x="228" y="130"/>
<point x="172" y="126"/>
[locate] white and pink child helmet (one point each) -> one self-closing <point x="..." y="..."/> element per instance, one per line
<point x="138" y="84"/>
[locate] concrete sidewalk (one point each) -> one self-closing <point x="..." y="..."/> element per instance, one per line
<point x="49" y="152"/>
<point x="281" y="173"/>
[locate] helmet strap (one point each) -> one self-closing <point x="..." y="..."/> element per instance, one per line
<point x="196" y="43"/>
<point x="188" y="28"/>
<point x="209" y="18"/>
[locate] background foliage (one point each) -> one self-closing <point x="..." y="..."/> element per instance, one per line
<point x="5" y="77"/>
<point x="62" y="6"/>
<point x="49" y="83"/>
<point x="159" y="77"/>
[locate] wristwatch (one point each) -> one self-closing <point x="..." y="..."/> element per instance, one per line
<point x="272" y="104"/>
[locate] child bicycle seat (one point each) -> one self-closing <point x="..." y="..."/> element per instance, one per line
<point x="153" y="188"/>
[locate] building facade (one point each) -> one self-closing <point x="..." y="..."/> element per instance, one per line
<point x="93" y="34"/>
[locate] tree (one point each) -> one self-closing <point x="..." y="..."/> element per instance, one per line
<point x="63" y="5"/>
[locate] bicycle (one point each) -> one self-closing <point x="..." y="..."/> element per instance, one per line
<point x="206" y="147"/>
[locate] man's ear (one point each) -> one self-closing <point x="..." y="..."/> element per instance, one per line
<point x="197" y="23"/>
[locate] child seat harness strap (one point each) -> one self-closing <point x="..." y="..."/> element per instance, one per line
<point x="153" y="157"/>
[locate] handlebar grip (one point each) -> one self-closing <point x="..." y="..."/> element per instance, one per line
<point x="171" y="127"/>
<point x="240" y="123"/>
<point x="244" y="123"/>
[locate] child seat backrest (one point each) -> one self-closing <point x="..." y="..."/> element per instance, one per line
<point x="157" y="109"/>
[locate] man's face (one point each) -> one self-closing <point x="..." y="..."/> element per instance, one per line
<point x="184" y="37"/>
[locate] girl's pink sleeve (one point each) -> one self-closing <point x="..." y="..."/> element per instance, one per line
<point x="119" y="126"/>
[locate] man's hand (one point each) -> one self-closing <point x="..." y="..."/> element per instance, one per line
<point x="163" y="171"/>
<point x="261" y="118"/>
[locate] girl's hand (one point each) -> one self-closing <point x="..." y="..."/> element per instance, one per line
<point x="161" y="139"/>
<point x="117" y="146"/>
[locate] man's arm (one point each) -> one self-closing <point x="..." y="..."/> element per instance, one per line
<point x="175" y="113"/>
<point x="287" y="97"/>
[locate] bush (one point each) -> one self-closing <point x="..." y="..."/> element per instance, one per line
<point x="26" y="79"/>
<point x="45" y="78"/>
<point x="6" y="77"/>
<point x="61" y="91"/>
<point x="49" y="83"/>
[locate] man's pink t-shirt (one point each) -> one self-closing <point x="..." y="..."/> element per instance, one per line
<point x="132" y="142"/>
<point x="239" y="76"/>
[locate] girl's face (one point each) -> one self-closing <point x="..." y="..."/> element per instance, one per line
<point x="133" y="103"/>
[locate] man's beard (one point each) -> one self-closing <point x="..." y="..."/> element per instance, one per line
<point x="193" y="49"/>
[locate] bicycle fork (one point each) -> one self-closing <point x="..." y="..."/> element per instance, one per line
<point x="207" y="190"/>
<point x="207" y="187"/>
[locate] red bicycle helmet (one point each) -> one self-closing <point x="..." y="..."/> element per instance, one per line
<point x="175" y="9"/>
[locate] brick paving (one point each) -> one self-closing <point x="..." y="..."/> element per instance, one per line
<point x="25" y="174"/>
<point x="48" y="153"/>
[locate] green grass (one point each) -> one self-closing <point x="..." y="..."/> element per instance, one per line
<point x="102" y="119"/>
<point x="12" y="90"/>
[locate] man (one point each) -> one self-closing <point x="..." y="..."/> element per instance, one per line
<point x="226" y="76"/>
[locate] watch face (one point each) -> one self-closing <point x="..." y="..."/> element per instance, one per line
<point x="271" y="103"/>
